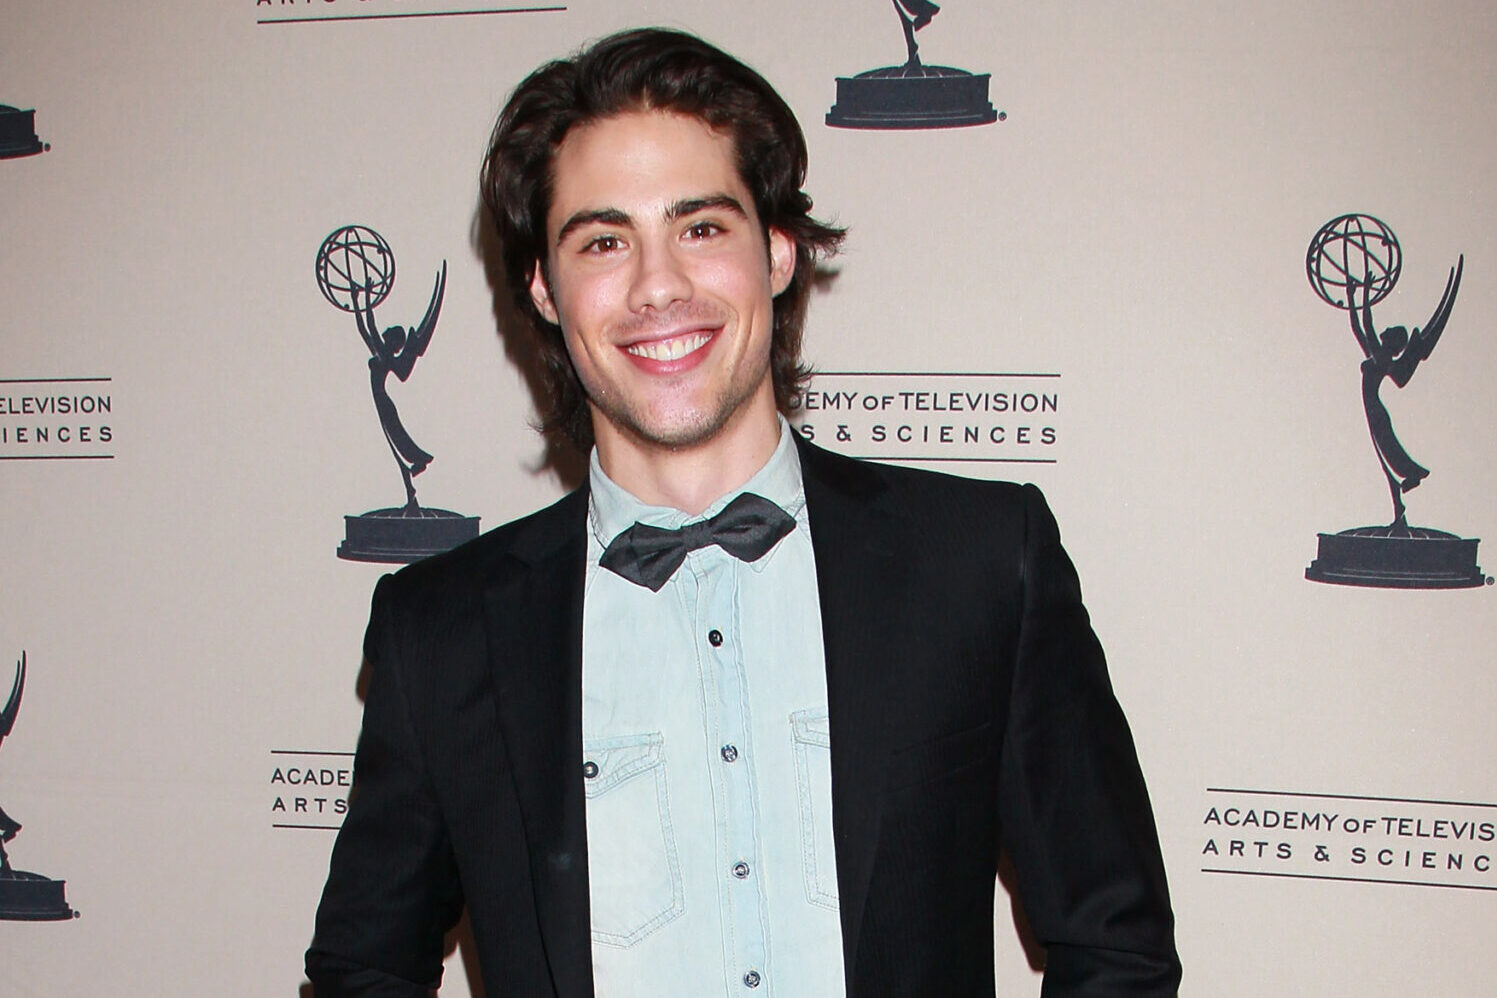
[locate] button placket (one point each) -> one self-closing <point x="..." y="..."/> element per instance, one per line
<point x="738" y="848"/>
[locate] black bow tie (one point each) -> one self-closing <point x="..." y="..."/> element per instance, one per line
<point x="746" y="528"/>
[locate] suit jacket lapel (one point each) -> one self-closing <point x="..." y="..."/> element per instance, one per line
<point x="534" y="610"/>
<point x="858" y="573"/>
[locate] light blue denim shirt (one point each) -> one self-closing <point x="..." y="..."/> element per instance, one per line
<point x="707" y="763"/>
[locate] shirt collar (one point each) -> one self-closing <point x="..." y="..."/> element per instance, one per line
<point x="612" y="508"/>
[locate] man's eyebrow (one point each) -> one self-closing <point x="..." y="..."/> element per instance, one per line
<point x="674" y="212"/>
<point x="710" y="202"/>
<point x="600" y="216"/>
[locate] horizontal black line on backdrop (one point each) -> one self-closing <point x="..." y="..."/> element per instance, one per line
<point x="934" y="374"/>
<point x="319" y="828"/>
<point x="282" y="751"/>
<point x="1381" y="800"/>
<point x="959" y="460"/>
<point x="49" y="381"/>
<point x="392" y="17"/>
<point x="56" y="457"/>
<point x="1351" y="880"/>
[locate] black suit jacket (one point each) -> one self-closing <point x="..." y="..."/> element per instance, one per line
<point x="970" y="710"/>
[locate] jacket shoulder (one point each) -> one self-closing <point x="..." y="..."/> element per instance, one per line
<point x="916" y="487"/>
<point x="457" y="578"/>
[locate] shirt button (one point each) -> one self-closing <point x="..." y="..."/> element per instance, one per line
<point x="715" y="638"/>
<point x="741" y="870"/>
<point x="751" y="979"/>
<point x="730" y="753"/>
<point x="589" y="769"/>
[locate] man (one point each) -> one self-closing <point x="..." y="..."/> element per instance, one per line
<point x="739" y="716"/>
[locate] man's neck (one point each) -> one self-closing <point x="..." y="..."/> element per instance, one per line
<point x="690" y="478"/>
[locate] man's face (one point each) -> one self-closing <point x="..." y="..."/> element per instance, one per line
<point x="660" y="275"/>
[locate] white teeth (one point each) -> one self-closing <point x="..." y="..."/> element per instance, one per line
<point x="673" y="349"/>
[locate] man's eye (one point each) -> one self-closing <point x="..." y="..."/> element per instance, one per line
<point x="703" y="230"/>
<point x="602" y="244"/>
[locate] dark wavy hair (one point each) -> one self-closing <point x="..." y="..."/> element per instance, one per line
<point x="649" y="69"/>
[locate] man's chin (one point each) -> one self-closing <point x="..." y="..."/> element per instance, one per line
<point x="676" y="434"/>
<point x="681" y="430"/>
<point x="684" y="420"/>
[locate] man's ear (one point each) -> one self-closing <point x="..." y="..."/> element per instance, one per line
<point x="782" y="254"/>
<point x="540" y="295"/>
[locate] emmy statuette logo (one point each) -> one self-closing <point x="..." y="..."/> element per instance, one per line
<point x="912" y="95"/>
<point x="18" y="133"/>
<point x="356" y="270"/>
<point x="1353" y="263"/>
<point x="24" y="897"/>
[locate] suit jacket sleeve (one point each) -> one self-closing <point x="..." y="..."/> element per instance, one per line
<point x="1075" y="810"/>
<point x="392" y="890"/>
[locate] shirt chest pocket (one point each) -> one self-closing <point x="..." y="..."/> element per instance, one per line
<point x="812" y="739"/>
<point x="634" y="872"/>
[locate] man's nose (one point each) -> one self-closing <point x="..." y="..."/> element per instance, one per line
<point x="659" y="278"/>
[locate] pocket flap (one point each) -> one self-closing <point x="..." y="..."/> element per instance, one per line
<point x="812" y="727"/>
<point x="607" y="762"/>
<point x="938" y="757"/>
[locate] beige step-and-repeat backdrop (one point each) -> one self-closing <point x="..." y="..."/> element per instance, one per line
<point x="1129" y="288"/>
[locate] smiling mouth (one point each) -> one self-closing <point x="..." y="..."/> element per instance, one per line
<point x="672" y="349"/>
